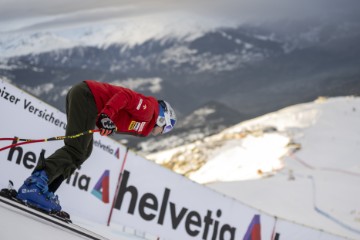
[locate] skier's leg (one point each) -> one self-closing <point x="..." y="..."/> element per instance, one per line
<point x="55" y="184"/>
<point x="81" y="115"/>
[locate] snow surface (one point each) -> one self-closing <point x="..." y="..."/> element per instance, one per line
<point x="301" y="163"/>
<point x="35" y="228"/>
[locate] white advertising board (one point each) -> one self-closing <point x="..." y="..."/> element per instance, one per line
<point x="150" y="198"/>
<point x="157" y="201"/>
<point x="288" y="230"/>
<point x="174" y="207"/>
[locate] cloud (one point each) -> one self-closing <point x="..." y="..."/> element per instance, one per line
<point x="279" y="9"/>
<point x="41" y="13"/>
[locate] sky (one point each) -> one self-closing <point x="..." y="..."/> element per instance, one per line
<point x="35" y="14"/>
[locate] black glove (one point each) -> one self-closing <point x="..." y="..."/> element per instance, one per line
<point x="105" y="124"/>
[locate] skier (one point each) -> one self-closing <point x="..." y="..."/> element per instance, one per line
<point x="112" y="109"/>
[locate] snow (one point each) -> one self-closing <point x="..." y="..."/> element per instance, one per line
<point x="34" y="228"/>
<point x="40" y="89"/>
<point x="300" y="164"/>
<point x="151" y="84"/>
<point x="242" y="160"/>
<point x="129" y="31"/>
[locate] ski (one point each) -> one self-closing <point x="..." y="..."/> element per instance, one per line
<point x="11" y="195"/>
<point x="8" y="200"/>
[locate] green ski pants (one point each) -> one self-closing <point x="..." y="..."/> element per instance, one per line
<point x="81" y="114"/>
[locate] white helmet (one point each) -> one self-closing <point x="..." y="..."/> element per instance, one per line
<point x="167" y="117"/>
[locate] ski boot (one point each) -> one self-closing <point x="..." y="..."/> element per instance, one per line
<point x="35" y="192"/>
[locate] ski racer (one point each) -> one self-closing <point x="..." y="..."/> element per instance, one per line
<point x="89" y="104"/>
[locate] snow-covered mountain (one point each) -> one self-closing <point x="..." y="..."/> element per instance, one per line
<point x="300" y="163"/>
<point x="249" y="69"/>
<point x="102" y="34"/>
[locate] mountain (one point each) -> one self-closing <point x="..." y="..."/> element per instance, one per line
<point x="204" y="121"/>
<point x="299" y="163"/>
<point x="252" y="69"/>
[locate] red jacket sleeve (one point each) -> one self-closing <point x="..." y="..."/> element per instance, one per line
<point x="134" y="103"/>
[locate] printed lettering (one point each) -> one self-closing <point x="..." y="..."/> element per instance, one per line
<point x="193" y="219"/>
<point x="49" y="117"/>
<point x="179" y="217"/>
<point x="8" y="96"/>
<point x="175" y="220"/>
<point x="148" y="201"/>
<point x="29" y="159"/>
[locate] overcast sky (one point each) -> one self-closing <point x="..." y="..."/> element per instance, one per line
<point x="68" y="11"/>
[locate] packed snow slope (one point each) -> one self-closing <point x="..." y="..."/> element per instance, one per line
<point x="35" y="228"/>
<point x="301" y="163"/>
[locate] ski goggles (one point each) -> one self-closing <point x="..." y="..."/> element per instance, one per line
<point x="164" y="121"/>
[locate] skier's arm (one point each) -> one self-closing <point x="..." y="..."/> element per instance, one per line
<point x="135" y="104"/>
<point x="119" y="101"/>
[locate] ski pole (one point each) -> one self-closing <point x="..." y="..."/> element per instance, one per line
<point x="28" y="141"/>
